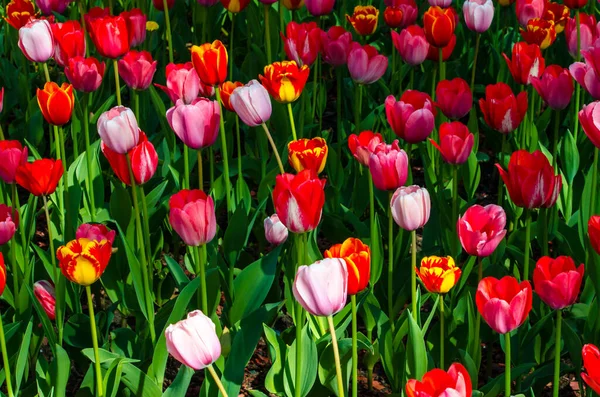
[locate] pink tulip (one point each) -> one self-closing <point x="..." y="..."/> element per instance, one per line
<point x="411" y="207"/>
<point x="478" y="14"/>
<point x="136" y="26"/>
<point x="588" y="74"/>
<point x="588" y="32"/>
<point x="363" y="144"/>
<point x="275" y="231"/>
<point x="454" y="98"/>
<point x="557" y="281"/>
<point x="182" y="82"/>
<point x="137" y="69"/>
<point x="412" y="118"/>
<point x="481" y="229"/>
<point x="194" y="341"/>
<point x="440" y="3"/>
<point x="36" y="40"/>
<point x="196" y="124"/>
<point x="322" y="287"/>
<point x="52" y="6"/>
<point x="95" y="232"/>
<point x="192" y="216"/>
<point x="504" y="304"/>
<point x="555" y="86"/>
<point x="9" y="222"/>
<point x="409" y="11"/>
<point x="388" y="165"/>
<point x="589" y="118"/>
<point x="365" y="64"/>
<point x="44" y="292"/>
<point x="1" y="99"/>
<point x="335" y="45"/>
<point x="456" y="142"/>
<point x="12" y="155"/>
<point x="318" y="8"/>
<point x="118" y="129"/>
<point x="252" y="103"/>
<point x="529" y="9"/>
<point x="411" y="44"/>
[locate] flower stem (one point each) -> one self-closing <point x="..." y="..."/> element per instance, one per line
<point x="213" y="373"/>
<point x="556" y="385"/>
<point x="46" y="72"/>
<point x="292" y="123"/>
<point x="478" y="320"/>
<point x="168" y="30"/>
<point x="357" y="109"/>
<point x="527" y="244"/>
<point x="201" y="272"/>
<point x="117" y="84"/>
<point x="411" y="82"/>
<point x="65" y="193"/>
<point x="225" y="156"/>
<point x="555" y="138"/>
<point x="442" y="330"/>
<point x="507" y="378"/>
<point x="336" y="356"/>
<point x="88" y="156"/>
<point x="371" y="209"/>
<point x="390" y="289"/>
<point x="268" y="33"/>
<point x="7" y="374"/>
<point x="231" y="43"/>
<point x="238" y="139"/>
<point x="59" y="308"/>
<point x="99" y="380"/>
<point x="477" y="39"/>
<point x="146" y="232"/>
<point x="338" y="106"/>
<point x="594" y="182"/>
<point x="413" y="273"/>
<point x="186" y="167"/>
<point x="13" y="248"/>
<point x="275" y="152"/>
<point x="441" y="61"/>
<point x="300" y="254"/>
<point x="454" y="205"/>
<point x="200" y="171"/>
<point x="354" y="347"/>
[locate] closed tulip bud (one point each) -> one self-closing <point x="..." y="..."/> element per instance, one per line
<point x="411" y="44"/>
<point x="504" y="304"/>
<point x="557" y="13"/>
<point x="196" y="124"/>
<point x="44" y="293"/>
<point x="365" y="64"/>
<point x="285" y="80"/>
<point x="529" y="9"/>
<point x="357" y="256"/>
<point x="143" y="158"/>
<point x="557" y="281"/>
<point x="439" y="25"/>
<point x="83" y="261"/>
<point x="393" y="17"/>
<point x="85" y="74"/>
<point x="587" y="33"/>
<point x="411" y="207"/>
<point x="591" y="364"/>
<point x="36" y="40"/>
<point x="481" y="229"/>
<point x="252" y="103"/>
<point x="95" y="232"/>
<point x="438" y="274"/>
<point x="555" y="87"/>
<point x="540" y="32"/>
<point x="321" y="288"/>
<point x="56" y="102"/>
<point x="9" y="222"/>
<point x="594" y="232"/>
<point x="41" y="177"/>
<point x="454" y="98"/>
<point x="363" y="144"/>
<point x="434" y="52"/>
<point x="2" y="274"/>
<point x="308" y="154"/>
<point x="235" y="6"/>
<point x="527" y="62"/>
<point x="226" y="89"/>
<point x="575" y="4"/>
<point x="118" y="129"/>
<point x="456" y="142"/>
<point x="587" y="74"/>
<point x="318" y="8"/>
<point x="182" y="82"/>
<point x="302" y="42"/>
<point x="299" y="200"/>
<point x="335" y="45"/>
<point x="455" y="382"/>
<point x="501" y="110"/>
<point x="136" y="26"/>
<point x="194" y="341"/>
<point x="137" y="69"/>
<point x="478" y="14"/>
<point x="388" y="165"/>
<point x="69" y="41"/>
<point x="12" y="155"/>
<point x="19" y="12"/>
<point x="110" y="35"/>
<point x="364" y="20"/>
<point x="412" y="118"/>
<point x="192" y="216"/>
<point x="530" y="180"/>
<point x="159" y="5"/>
<point x="275" y="231"/>
<point x="210" y="62"/>
<point x="293" y="4"/>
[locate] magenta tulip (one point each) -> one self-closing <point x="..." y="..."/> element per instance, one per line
<point x="456" y="142"/>
<point x="481" y="229"/>
<point x="196" y="124"/>
<point x="412" y="118"/>
<point x="46" y="296"/>
<point x="12" y="155"/>
<point x="365" y="64"/>
<point x="85" y="73"/>
<point x="589" y="118"/>
<point x="318" y="8"/>
<point x="411" y="44"/>
<point x="322" y="287"/>
<point x="588" y="74"/>
<point x="335" y="45"/>
<point x="555" y="86"/>
<point x="388" y="165"/>
<point x="454" y="98"/>
<point x="95" y="232"/>
<point x="9" y="222"/>
<point x="588" y="32"/>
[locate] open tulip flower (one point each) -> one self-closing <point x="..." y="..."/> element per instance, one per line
<point x="82" y="261"/>
<point x="56" y="102"/>
<point x="110" y="35"/>
<point x="455" y="382"/>
<point x="210" y="62"/>
<point x="285" y="80"/>
<point x="302" y="42"/>
<point x="308" y="154"/>
<point x="41" y="177"/>
<point x="439" y="25"/>
<point x="502" y="110"/>
<point x="69" y="41"/>
<point x="362" y="145"/>
<point x="540" y="32"/>
<point x="456" y="142"/>
<point x="557" y="281"/>
<point x="19" y="12"/>
<point x="438" y="274"/>
<point x="504" y="304"/>
<point x="526" y="62"/>
<point x="364" y="20"/>
<point x="481" y="229"/>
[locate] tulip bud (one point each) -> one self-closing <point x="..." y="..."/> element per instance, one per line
<point x="118" y="129"/>
<point x="182" y="82"/>
<point x="308" y="154"/>
<point x="437" y="274"/>
<point x="335" y="45"/>
<point x="44" y="292"/>
<point x="252" y="103"/>
<point x="41" y="177"/>
<point x="411" y="44"/>
<point x="365" y="64"/>
<point x="196" y="124"/>
<point x="210" y="61"/>
<point x="192" y="216"/>
<point x="411" y="207"/>
<point x="83" y="261"/>
<point x="95" y="232"/>
<point x="478" y="14"/>
<point x="586" y="74"/>
<point x="555" y="87"/>
<point x="137" y="69"/>
<point x="69" y="41"/>
<point x="456" y="382"/>
<point x="454" y="98"/>
<point x="357" y="256"/>
<point x="591" y="363"/>
<point x="481" y="229"/>
<point x="321" y="288"/>
<point x="557" y="281"/>
<point x="12" y="155"/>
<point x="275" y="231"/>
<point x="143" y="159"/>
<point x="85" y="74"/>
<point x="36" y="40"/>
<point x="504" y="304"/>
<point x="412" y="118"/>
<point x="388" y="165"/>
<point x="2" y="274"/>
<point x="110" y="35"/>
<point x="9" y="222"/>
<point x="364" y="20"/>
<point x="439" y="25"/>
<point x="363" y="144"/>
<point x="456" y="142"/>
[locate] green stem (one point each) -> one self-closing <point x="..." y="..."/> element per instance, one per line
<point x="65" y="187"/>
<point x="478" y="37"/>
<point x="371" y="209"/>
<point x="268" y="33"/>
<point x="454" y="204"/>
<point x="336" y="356"/>
<point x="168" y="30"/>
<point x="200" y="171"/>
<point x="338" y="107"/>
<point x="594" y="182"/>
<point x="59" y="308"/>
<point x="204" y="23"/>
<point x="7" y="374"/>
<point x="292" y="123"/>
<point x="146" y="232"/>
<point x="46" y="72"/>
<point x="478" y="321"/>
<point x="215" y="377"/>
<point x="13" y="248"/>
<point x="354" y="347"/>
<point x="211" y="166"/>
<point x="413" y="273"/>
<point x="225" y="156"/>
<point x="527" y="243"/>
<point x="238" y="139"/>
<point x="186" y="167"/>
<point x="231" y="43"/>
<point x="99" y="379"/>
<point x="441" y="61"/>
<point x="299" y="322"/>
<point x="442" y="336"/>
<point x="117" y="84"/>
<point x="507" y="377"/>
<point x="275" y="152"/>
<point x="411" y="82"/>
<point x="302" y="117"/>
<point x="557" y="347"/>
<point x="500" y="189"/>
<point x="357" y="108"/>
<point x="1" y="134"/>
<point x="201" y="272"/>
<point x="390" y="286"/>
<point x="88" y="156"/>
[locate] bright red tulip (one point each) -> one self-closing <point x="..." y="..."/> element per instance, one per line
<point x="192" y="216"/>
<point x="504" y="304"/>
<point x="137" y="69"/>
<point x="302" y="42"/>
<point x="210" y="61"/>
<point x="56" y="103"/>
<point x="501" y="110"/>
<point x="393" y="17"/>
<point x="2" y="274"/>
<point x="594" y="232"/>
<point x="555" y="86"/>
<point x="69" y="41"/>
<point x="412" y="118"/>
<point x="454" y="98"/>
<point x="527" y="62"/>
<point x="456" y="142"/>
<point x="557" y="281"/>
<point x="41" y="177"/>
<point x="455" y="382"/>
<point x="591" y="364"/>
<point x="434" y="53"/>
<point x="12" y="155"/>
<point x="144" y="161"/>
<point x="363" y="144"/>
<point x="481" y="229"/>
<point x="110" y="35"/>
<point x="85" y="74"/>
<point x="439" y="25"/>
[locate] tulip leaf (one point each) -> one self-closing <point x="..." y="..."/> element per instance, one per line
<point x="22" y="356"/>
<point x="376" y="247"/>
<point x="277" y="352"/>
<point x="181" y="383"/>
<point x="416" y="354"/>
<point x="471" y="175"/>
<point x="569" y="158"/>
<point x="46" y="323"/>
<point x="310" y="362"/>
<point x="572" y="343"/>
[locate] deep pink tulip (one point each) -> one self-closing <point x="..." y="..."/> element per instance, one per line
<point x="143" y="159"/>
<point x="411" y="44"/>
<point x="440" y="3"/>
<point x="136" y="26"/>
<point x="96" y="232"/>
<point x="456" y="142"/>
<point x="478" y="14"/>
<point x="322" y="287"/>
<point x="529" y="9"/>
<point x="412" y="118"/>
<point x="555" y="86"/>
<point x="12" y="155"/>
<point x="454" y="98"/>
<point x="1" y="99"/>
<point x="48" y="7"/>
<point x="318" y="8"/>
<point x="118" y="129"/>
<point x="557" y="281"/>
<point x="182" y="82"/>
<point x="302" y="42"/>
<point x="588" y="33"/>
<point x="9" y="222"/>
<point x="481" y="229"/>
<point x="411" y="207"/>
<point x="46" y="296"/>
<point x="365" y="64"/>
<point x="252" y="103"/>
<point x="363" y="144"/>
<point x="196" y="124"/>
<point x="194" y="341"/>
<point x="275" y="231"/>
<point x="85" y="73"/>
<point x="504" y="304"/>
<point x="388" y="165"/>
<point x="588" y="74"/>
<point x="335" y="45"/>
<point x="192" y="216"/>
<point x="589" y="117"/>
<point x="137" y="69"/>
<point x="36" y="40"/>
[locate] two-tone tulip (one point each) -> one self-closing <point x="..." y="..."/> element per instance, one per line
<point x="83" y="261"/>
<point x="285" y="80"/>
<point x="357" y="256"/>
<point x="308" y="154"/>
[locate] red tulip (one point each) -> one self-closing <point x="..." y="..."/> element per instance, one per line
<point x="2" y="274"/>
<point x="363" y="144"/>
<point x="110" y="35"/>
<point x="56" y="102"/>
<point x="41" y="177"/>
<point x="69" y="41"/>
<point x="454" y="98"/>
<point x="481" y="229"/>
<point x="137" y="69"/>
<point x="504" y="304"/>
<point x="575" y="4"/>
<point x="555" y="86"/>
<point x="144" y="161"/>
<point x="393" y="17"/>
<point x="12" y="155"/>
<point x="503" y="111"/>
<point x="136" y="26"/>
<point x="456" y="382"/>
<point x="159" y="5"/>
<point x="408" y="8"/>
<point x="527" y="62"/>
<point x="539" y="31"/>
<point x="85" y="74"/>
<point x="302" y="42"/>
<point x="95" y="13"/>
<point x="19" y="12"/>
<point x="456" y="142"/>
<point x="591" y="364"/>
<point x="594" y="232"/>
<point x="557" y="281"/>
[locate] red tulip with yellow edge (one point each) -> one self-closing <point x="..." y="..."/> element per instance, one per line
<point x="210" y="61"/>
<point x="438" y="274"/>
<point x="56" y="102"/>
<point x="285" y="80"/>
<point x="364" y="20"/>
<point x="83" y="261"/>
<point x="308" y="154"/>
<point x="539" y="31"/>
<point x="557" y="13"/>
<point x="439" y="25"/>
<point x="358" y="260"/>
<point x="19" y="12"/>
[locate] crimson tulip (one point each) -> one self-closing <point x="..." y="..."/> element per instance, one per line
<point x="555" y="86"/>
<point x="591" y="364"/>
<point x="434" y="52"/>
<point x="501" y="110"/>
<point x="557" y="281"/>
<point x="302" y="42"/>
<point x="12" y="155"/>
<point x="335" y="45"/>
<point x="575" y="4"/>
<point x="527" y="62"/>
<point x="364" y="19"/>
<point x="143" y="157"/>
<point x="456" y="142"/>
<point x="137" y="69"/>
<point x="69" y="41"/>
<point x="110" y="35"/>
<point x="136" y="26"/>
<point x="19" y="12"/>
<point x="504" y="304"/>
<point x="454" y="98"/>
<point x="594" y="232"/>
<point x="85" y="74"/>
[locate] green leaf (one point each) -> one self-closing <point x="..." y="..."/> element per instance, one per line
<point x="310" y="362"/>
<point x="181" y="382"/>
<point x="376" y="247"/>
<point x="60" y="370"/>
<point x="22" y="357"/>
<point x="569" y="156"/>
<point x="277" y="351"/>
<point x="416" y="354"/>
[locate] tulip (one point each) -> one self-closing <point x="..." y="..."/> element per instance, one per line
<point x="19" y="12"/>
<point x="539" y="32"/>
<point x="594" y="232"/>
<point x="411" y="44"/>
<point x="136" y="26"/>
<point x="557" y="13"/>
<point x="557" y="281"/>
<point x="529" y="9"/>
<point x="555" y="86"/>
<point x="393" y="17"/>
<point x="501" y="110"/>
<point x="504" y="304"/>
<point x="2" y="274"/>
<point x="454" y="98"/>
<point x="388" y="165"/>
<point x="456" y="382"/>
<point x="478" y="14"/>
<point x="308" y="154"/>
<point x="93" y="14"/>
<point x="285" y="80"/>
<point x="110" y="35"/>
<point x="412" y="118"/>
<point x="434" y="52"/>
<point x="318" y="8"/>
<point x="293" y="4"/>
<point x="9" y="222"/>
<point x="194" y="341"/>
<point x="275" y="231"/>
<point x="299" y="200"/>
<point x="12" y="155"/>
<point x="56" y="103"/>
<point x="69" y="41"/>
<point x="143" y="160"/>
<point x="182" y="82"/>
<point x="95" y="232"/>
<point x="83" y="261"/>
<point x="321" y="288"/>
<point x="587" y="74"/>
<point x="1" y="99"/>
<point x="411" y="206"/>
<point x="587" y="32"/>
<point x="210" y="62"/>
<point x="159" y="5"/>
<point x="591" y="364"/>
<point x="527" y="62"/>
<point x="437" y="274"/>
<point x="481" y="229"/>
<point x="196" y="124"/>
<point x="302" y="42"/>
<point x="48" y="7"/>
<point x="192" y="216"/>
<point x="439" y="25"/>
<point x="575" y="4"/>
<point x="407" y="9"/>
<point x="235" y="6"/>
<point x="335" y="45"/>
<point x="251" y="103"/>
<point x="357" y="256"/>
<point x="365" y="64"/>
<point x="41" y="177"/>
<point x="363" y="144"/>
<point x="589" y="118"/>
<point x="137" y="69"/>
<point x="364" y="20"/>
<point x="118" y="129"/>
<point x="225" y="90"/>
<point x="456" y="142"/>
<point x="36" y="40"/>
<point x="530" y="180"/>
<point x="85" y="74"/>
<point x="44" y="293"/>
<point x="440" y="3"/>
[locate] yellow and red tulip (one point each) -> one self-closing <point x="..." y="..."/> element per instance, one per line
<point x="82" y="261"/>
